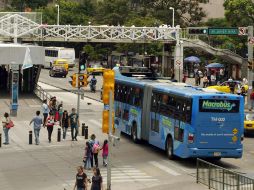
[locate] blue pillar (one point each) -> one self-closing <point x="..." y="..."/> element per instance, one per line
<point x="14" y="90"/>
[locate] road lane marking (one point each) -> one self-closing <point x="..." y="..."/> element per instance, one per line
<point x="164" y="168"/>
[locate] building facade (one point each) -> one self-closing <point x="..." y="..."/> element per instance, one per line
<point x="213" y="8"/>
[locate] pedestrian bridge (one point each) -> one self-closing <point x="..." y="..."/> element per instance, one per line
<point x="29" y="27"/>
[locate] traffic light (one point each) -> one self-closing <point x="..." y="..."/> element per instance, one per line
<point x="82" y="80"/>
<point x="198" y="31"/>
<point x="251" y="65"/>
<point x="108" y="84"/>
<point x="73" y="81"/>
<point x="82" y="61"/>
<point x="105" y="122"/>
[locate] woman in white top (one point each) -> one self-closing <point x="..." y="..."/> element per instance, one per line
<point x="5" y="122"/>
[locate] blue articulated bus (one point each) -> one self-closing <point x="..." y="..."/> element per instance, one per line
<point x="183" y="120"/>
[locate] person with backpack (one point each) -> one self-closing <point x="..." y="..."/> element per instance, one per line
<point x="50" y="125"/>
<point x="92" y="142"/>
<point x="105" y="152"/>
<point x="96" y="150"/>
<point x="251" y="100"/>
<point x="74" y="124"/>
<point x="81" y="179"/>
<point x="37" y="120"/>
<point x="87" y="156"/>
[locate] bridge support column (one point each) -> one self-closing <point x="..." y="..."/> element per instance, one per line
<point x="178" y="59"/>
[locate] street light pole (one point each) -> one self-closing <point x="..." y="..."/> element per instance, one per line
<point x="58" y="12"/>
<point x="173" y="19"/>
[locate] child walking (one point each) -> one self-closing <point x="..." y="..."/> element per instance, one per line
<point x="105" y="152"/>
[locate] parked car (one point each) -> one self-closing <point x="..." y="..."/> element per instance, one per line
<point x="224" y="87"/>
<point x="249" y="123"/>
<point x="95" y="69"/>
<point x="58" y="70"/>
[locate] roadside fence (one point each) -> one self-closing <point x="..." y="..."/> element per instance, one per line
<point x="219" y="178"/>
<point x="42" y="94"/>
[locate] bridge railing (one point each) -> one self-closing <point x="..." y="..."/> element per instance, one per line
<point x="216" y="177"/>
<point x="42" y="94"/>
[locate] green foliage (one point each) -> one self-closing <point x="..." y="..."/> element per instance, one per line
<point x="239" y="12"/>
<point x="20" y="5"/>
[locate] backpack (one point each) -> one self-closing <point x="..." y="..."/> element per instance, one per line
<point x="96" y="148"/>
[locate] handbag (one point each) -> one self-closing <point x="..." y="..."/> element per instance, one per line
<point x="10" y="125"/>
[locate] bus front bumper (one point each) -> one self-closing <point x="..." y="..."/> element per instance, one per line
<point x="213" y="153"/>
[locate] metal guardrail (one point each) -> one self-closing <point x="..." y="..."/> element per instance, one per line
<point x="216" y="177"/>
<point x="42" y="94"/>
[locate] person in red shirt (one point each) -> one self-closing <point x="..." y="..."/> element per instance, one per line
<point x="50" y="125"/>
<point x="251" y="100"/>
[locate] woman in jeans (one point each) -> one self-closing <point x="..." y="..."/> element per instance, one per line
<point x="50" y="125"/>
<point x="5" y="122"/>
<point x="65" y="123"/>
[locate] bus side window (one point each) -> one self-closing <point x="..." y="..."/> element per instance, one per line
<point x="155" y="125"/>
<point x="138" y="97"/>
<point x="163" y="107"/>
<point x="155" y="102"/>
<point x="130" y="95"/>
<point x="126" y="115"/>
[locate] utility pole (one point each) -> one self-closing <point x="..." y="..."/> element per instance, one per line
<point x="250" y="59"/>
<point x="110" y="141"/>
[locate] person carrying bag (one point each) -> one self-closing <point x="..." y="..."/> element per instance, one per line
<point x="7" y="124"/>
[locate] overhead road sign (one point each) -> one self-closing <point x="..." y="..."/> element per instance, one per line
<point x="197" y="30"/>
<point x="223" y="31"/>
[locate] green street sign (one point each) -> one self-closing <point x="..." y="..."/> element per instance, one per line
<point x="223" y="31"/>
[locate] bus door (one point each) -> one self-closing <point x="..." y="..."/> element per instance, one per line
<point x="154" y="135"/>
<point x="146" y="117"/>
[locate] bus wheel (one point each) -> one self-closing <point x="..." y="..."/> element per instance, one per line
<point x="134" y="133"/>
<point x="170" y="148"/>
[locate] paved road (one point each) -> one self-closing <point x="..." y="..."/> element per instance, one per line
<point x="64" y="84"/>
<point x="52" y="166"/>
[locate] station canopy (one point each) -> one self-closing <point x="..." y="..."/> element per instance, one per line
<point x="21" y="54"/>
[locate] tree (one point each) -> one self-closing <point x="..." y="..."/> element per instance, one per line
<point x="186" y="12"/>
<point x="20" y="5"/>
<point x="112" y="12"/>
<point x="239" y="12"/>
<point x="72" y="12"/>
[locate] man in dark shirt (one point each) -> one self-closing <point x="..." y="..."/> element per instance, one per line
<point x="81" y="179"/>
<point x="74" y="124"/>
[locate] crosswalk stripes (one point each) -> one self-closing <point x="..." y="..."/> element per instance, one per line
<point x="121" y="174"/>
<point x="165" y="168"/>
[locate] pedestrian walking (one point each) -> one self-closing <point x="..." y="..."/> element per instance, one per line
<point x="243" y="93"/>
<point x="213" y="79"/>
<point x="81" y="179"/>
<point x="205" y="81"/>
<point x="87" y="156"/>
<point x="97" y="180"/>
<point x="92" y="141"/>
<point x="37" y="121"/>
<point x="74" y="124"/>
<point x="6" y="122"/>
<point x="231" y="85"/>
<point x="105" y="152"/>
<point x="60" y="112"/>
<point x="65" y="123"/>
<point x="50" y="125"/>
<point x="96" y="149"/>
<point x="251" y="100"/>
<point x="45" y="111"/>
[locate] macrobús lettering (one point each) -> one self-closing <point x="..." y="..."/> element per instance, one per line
<point x="218" y="105"/>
